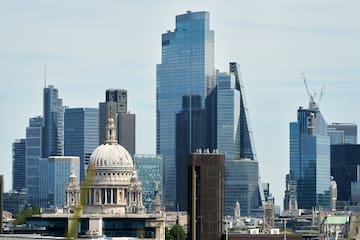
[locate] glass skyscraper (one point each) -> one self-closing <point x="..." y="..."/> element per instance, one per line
<point x="190" y="136"/>
<point x="53" y="123"/>
<point x="310" y="158"/>
<point x="234" y="139"/>
<point x="59" y="170"/>
<point x="343" y="133"/>
<point x="187" y="67"/>
<point x="228" y="109"/>
<point x="18" y="165"/>
<point x="81" y="134"/>
<point x="33" y="150"/>
<point x="150" y="170"/>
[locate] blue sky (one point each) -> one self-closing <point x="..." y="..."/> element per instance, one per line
<point x="89" y="46"/>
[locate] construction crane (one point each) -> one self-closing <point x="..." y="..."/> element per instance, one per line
<point x="313" y="103"/>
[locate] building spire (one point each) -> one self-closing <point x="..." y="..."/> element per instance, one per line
<point x="110" y="130"/>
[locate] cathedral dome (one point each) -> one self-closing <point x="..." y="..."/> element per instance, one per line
<point x="111" y="155"/>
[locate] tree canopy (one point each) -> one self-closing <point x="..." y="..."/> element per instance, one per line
<point x="24" y="214"/>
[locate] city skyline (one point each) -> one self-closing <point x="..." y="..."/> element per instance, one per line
<point x="97" y="49"/>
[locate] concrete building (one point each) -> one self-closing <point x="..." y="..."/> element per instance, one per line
<point x="206" y="198"/>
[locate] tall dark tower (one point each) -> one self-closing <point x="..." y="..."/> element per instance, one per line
<point x="191" y="134"/>
<point x="116" y="105"/>
<point x="206" y="196"/>
<point x="18" y="165"/>
<point x="53" y="112"/>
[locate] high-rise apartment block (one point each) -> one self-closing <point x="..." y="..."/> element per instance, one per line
<point x="81" y="134"/>
<point x="53" y="136"/>
<point x="310" y="158"/>
<point x="18" y="165"/>
<point x="116" y="106"/>
<point x="206" y="195"/>
<point x="33" y="151"/>
<point x="187" y="68"/>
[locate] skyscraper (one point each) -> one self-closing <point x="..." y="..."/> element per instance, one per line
<point x="33" y="150"/>
<point x="310" y="157"/>
<point x="187" y="67"/>
<point x="81" y="134"/>
<point x="126" y="131"/>
<point x="343" y="133"/>
<point x="116" y="105"/>
<point x="150" y="171"/>
<point x="53" y="123"/>
<point x="59" y="170"/>
<point x="18" y="165"/>
<point x="189" y="137"/>
<point x="234" y="139"/>
<point x="344" y="161"/>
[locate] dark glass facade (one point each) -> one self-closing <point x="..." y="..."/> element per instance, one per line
<point x="149" y="169"/>
<point x="344" y="161"/>
<point x="310" y="159"/>
<point x="242" y="183"/>
<point x="191" y="134"/>
<point x="187" y="67"/>
<point x="18" y="165"/>
<point x="14" y="202"/>
<point x="33" y="151"/>
<point x="81" y="134"/>
<point x="53" y="113"/>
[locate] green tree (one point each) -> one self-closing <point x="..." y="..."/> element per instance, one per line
<point x="24" y="214"/>
<point x="167" y="234"/>
<point x="177" y="233"/>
